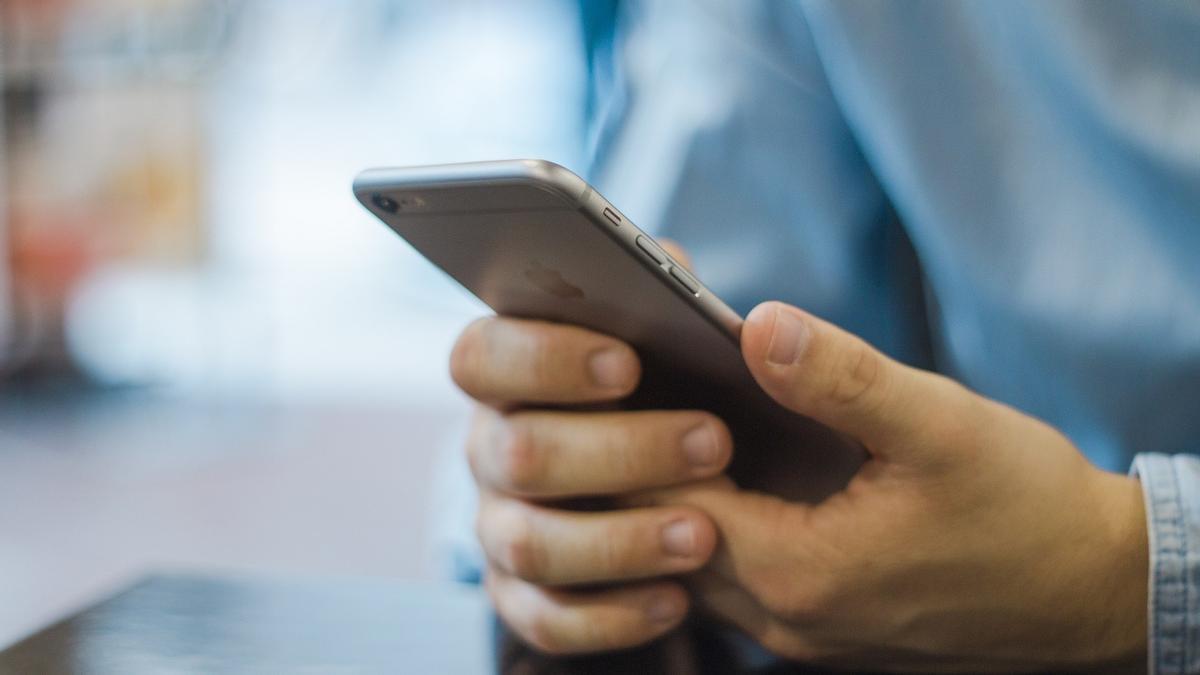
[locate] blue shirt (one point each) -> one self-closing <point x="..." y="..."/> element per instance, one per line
<point x="1006" y="192"/>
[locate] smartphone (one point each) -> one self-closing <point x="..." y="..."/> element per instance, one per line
<point x="533" y="240"/>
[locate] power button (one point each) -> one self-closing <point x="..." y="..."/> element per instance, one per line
<point x="686" y="280"/>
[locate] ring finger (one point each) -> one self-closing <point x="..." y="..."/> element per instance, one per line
<point x="572" y="622"/>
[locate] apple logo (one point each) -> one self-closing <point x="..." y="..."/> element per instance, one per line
<point x="552" y="282"/>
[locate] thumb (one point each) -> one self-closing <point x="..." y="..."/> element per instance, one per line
<point x="819" y="370"/>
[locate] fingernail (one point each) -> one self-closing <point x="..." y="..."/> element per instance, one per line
<point x="610" y="368"/>
<point x="700" y="447"/>
<point x="788" y="338"/>
<point x="679" y="538"/>
<point x="663" y="609"/>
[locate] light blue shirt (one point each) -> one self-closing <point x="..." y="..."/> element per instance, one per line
<point x="1006" y="192"/>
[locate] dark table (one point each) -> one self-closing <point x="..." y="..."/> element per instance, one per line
<point x="197" y="624"/>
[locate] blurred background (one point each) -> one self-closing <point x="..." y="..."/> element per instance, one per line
<point x="210" y="356"/>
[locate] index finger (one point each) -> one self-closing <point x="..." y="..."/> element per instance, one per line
<point x="504" y="361"/>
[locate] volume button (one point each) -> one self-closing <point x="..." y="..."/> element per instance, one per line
<point x="686" y="280"/>
<point x="651" y="249"/>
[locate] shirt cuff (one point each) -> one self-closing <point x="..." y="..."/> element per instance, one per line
<point x="1171" y="486"/>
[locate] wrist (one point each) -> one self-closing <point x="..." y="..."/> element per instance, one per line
<point x="1122" y="552"/>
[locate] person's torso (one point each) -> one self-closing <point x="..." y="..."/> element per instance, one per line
<point x="1006" y="192"/>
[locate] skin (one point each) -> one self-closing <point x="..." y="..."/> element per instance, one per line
<point x="974" y="538"/>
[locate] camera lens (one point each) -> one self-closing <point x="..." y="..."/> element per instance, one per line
<point x="385" y="203"/>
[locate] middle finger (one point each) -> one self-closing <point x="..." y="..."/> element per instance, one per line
<point x="549" y="455"/>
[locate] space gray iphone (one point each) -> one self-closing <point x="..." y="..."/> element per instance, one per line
<point x="533" y="240"/>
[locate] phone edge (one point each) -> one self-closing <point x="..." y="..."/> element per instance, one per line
<point x="578" y="193"/>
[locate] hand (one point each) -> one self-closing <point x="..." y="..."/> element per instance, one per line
<point x="545" y="562"/>
<point x="975" y="537"/>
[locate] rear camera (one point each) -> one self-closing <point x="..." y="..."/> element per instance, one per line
<point x="385" y="203"/>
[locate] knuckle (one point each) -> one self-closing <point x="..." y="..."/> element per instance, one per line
<point x="534" y="624"/>
<point x="857" y="376"/>
<point x="489" y="587"/>
<point x="614" y="552"/>
<point x="544" y="364"/>
<point x="799" y="602"/>
<point x="959" y="421"/>
<point x="543" y="633"/>
<point x="519" y="456"/>
<point x="464" y="357"/>
<point x="475" y="444"/>
<point x="960" y="429"/>
<point x="519" y="549"/>
<point x="625" y="444"/>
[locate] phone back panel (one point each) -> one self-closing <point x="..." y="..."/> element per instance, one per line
<point x="532" y="240"/>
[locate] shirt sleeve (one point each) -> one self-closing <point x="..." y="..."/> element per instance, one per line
<point x="1171" y="484"/>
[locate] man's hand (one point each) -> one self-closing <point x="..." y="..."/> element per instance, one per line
<point x="975" y="537"/>
<point x="551" y="570"/>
